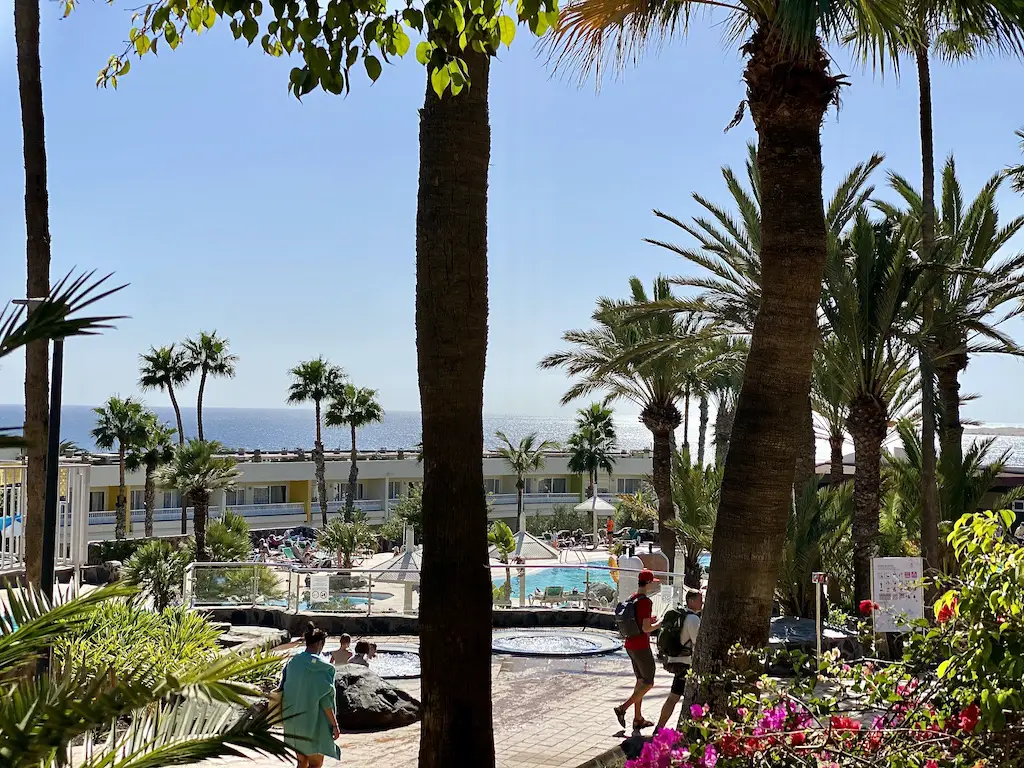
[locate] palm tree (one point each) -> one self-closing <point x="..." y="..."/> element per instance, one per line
<point x="591" y="445"/>
<point x="526" y="457"/>
<point x="354" y="407"/>
<point x="155" y="450"/>
<point x="120" y="423"/>
<point x="208" y="354"/>
<point x="316" y="381"/>
<point x="177" y="718"/>
<point x="1016" y="172"/>
<point x="165" y="368"/>
<point x="37" y="251"/>
<point x="625" y="357"/>
<point x="346" y="539"/>
<point x="695" y="494"/>
<point x="830" y="403"/>
<point x="724" y="387"/>
<point x="873" y="296"/>
<point x="197" y="471"/>
<point x="500" y="536"/>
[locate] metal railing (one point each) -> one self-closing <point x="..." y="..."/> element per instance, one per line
<point x="370" y="591"/>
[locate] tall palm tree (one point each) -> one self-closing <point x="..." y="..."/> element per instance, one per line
<point x="724" y="387"/>
<point x="37" y="253"/>
<point x="316" y="381"/>
<point x="526" y="457"/>
<point x="696" y="491"/>
<point x="121" y="423"/>
<point x="616" y="358"/>
<point x="871" y="304"/>
<point x="197" y="471"/>
<point x="164" y="369"/>
<point x="591" y="446"/>
<point x="978" y="289"/>
<point x="354" y="407"/>
<point x="154" y="451"/>
<point x="209" y="355"/>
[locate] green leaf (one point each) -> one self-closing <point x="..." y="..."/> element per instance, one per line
<point x="124" y="68"/>
<point x="142" y="44"/>
<point x="507" y="27"/>
<point x="250" y="28"/>
<point x="211" y="17"/>
<point x="943" y="668"/>
<point x="402" y="42"/>
<point x="423" y="52"/>
<point x="440" y="78"/>
<point x="373" y="67"/>
<point x="413" y="17"/>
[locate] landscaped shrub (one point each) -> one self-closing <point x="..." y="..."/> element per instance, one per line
<point x="227" y="539"/>
<point x="158" y="568"/>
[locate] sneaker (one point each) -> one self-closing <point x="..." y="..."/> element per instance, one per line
<point x="620" y="715"/>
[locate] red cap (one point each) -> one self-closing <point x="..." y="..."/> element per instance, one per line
<point x="646" y="576"/>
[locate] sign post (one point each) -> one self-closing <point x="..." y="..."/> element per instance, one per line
<point x="897" y="590"/>
<point x="319" y="588"/>
<point x="818" y="580"/>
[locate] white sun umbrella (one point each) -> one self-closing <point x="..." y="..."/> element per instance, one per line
<point x="403" y="568"/>
<point x="596" y="505"/>
<point x="528" y="547"/>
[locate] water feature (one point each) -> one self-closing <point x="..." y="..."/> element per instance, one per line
<point x="567" y="578"/>
<point x="545" y="643"/>
<point x="396" y="664"/>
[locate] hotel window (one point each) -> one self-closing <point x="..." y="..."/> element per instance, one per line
<point x="628" y="485"/>
<point x="138" y="500"/>
<point x="261" y="495"/>
<point x="172" y="500"/>
<point x="97" y="501"/>
<point x="529" y="485"/>
<point x="492" y="485"/>
<point x="278" y="494"/>
<point x="394" y="489"/>
<point x="552" y="485"/>
<point x="235" y="498"/>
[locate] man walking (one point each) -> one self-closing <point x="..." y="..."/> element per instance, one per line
<point x="680" y="665"/>
<point x="638" y="646"/>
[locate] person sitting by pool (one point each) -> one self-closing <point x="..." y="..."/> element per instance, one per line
<point x="362" y="655"/>
<point x="343" y="655"/>
<point x="372" y="653"/>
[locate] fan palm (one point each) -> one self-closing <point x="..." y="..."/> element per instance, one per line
<point x="120" y="424"/>
<point x="315" y="381"/>
<point x="873" y="296"/>
<point x="590" y="446"/>
<point x="177" y="718"/>
<point x="165" y="369"/>
<point x="500" y="537"/>
<point x="977" y="290"/>
<point x="646" y="359"/>
<point x="354" y="407"/>
<point x="724" y="386"/>
<point x="526" y="457"/>
<point x="155" y="450"/>
<point x="209" y="355"/>
<point x="197" y="471"/>
<point x="345" y="538"/>
<point x="1016" y="172"/>
<point x="696" y="491"/>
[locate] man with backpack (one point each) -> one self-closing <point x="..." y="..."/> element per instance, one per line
<point x="635" y="619"/>
<point x="675" y="648"/>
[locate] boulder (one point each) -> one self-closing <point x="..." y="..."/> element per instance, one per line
<point x="111" y="571"/>
<point x="366" y="702"/>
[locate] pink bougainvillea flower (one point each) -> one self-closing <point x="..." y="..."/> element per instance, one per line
<point x="697" y="711"/>
<point x="932" y="763"/>
<point x="742" y="712"/>
<point x="710" y="758"/>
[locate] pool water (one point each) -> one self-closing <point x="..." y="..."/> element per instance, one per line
<point x="705" y="560"/>
<point x="567" y="578"/>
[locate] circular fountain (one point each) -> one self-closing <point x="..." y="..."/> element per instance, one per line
<point x="553" y="643"/>
<point x="396" y="662"/>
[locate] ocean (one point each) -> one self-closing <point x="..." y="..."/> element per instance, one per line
<point x="291" y="428"/>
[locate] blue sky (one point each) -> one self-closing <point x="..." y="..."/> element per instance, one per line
<point x="289" y="227"/>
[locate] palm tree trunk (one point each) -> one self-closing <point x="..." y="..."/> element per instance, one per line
<point x="199" y="404"/>
<point x="788" y="97"/>
<point x="836" y="473"/>
<point x="353" y="474"/>
<point x="951" y="435"/>
<point x="520" y="522"/>
<point x="451" y="346"/>
<point x="724" y="417"/>
<point x="201" y="505"/>
<point x="37" y="254"/>
<point x="120" y="509"/>
<point x="703" y="429"/>
<point x="181" y="441"/>
<point x="149" y="499"/>
<point x="868" y="424"/>
<point x="929" y="481"/>
<point x="806" y="453"/>
<point x="686" y="419"/>
<point x="319" y="469"/>
<point x="661" y="478"/>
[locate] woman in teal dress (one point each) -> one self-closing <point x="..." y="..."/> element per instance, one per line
<point x="308" y="702"/>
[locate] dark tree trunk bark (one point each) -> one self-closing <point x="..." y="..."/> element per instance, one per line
<point x="868" y="424"/>
<point x="807" y="452"/>
<point x="353" y="475"/>
<point x="451" y="346"/>
<point x="837" y="474"/>
<point x="788" y="98"/>
<point x="951" y="434"/>
<point x="199" y="405"/>
<point x="181" y="441"/>
<point x="319" y="470"/>
<point x="121" y="507"/>
<point x="686" y="420"/>
<point x="703" y="429"/>
<point x="200" y="514"/>
<point x="929" y="480"/>
<point x="520" y="521"/>
<point x="149" y="499"/>
<point x="723" y="432"/>
<point x="661" y="478"/>
<point x="37" y="254"/>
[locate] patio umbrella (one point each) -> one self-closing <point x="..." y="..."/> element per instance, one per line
<point x="403" y="568"/>
<point x="528" y="547"/>
<point x="596" y="505"/>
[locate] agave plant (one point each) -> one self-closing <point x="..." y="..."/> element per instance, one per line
<point x="176" y="718"/>
<point x="346" y="539"/>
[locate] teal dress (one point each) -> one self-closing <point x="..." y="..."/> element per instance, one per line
<point x="308" y="691"/>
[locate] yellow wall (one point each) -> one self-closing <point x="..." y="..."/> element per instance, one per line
<point x="300" y="490"/>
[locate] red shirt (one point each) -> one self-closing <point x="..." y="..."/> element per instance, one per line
<point x="644" y="610"/>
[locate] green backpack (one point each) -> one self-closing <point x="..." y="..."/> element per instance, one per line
<point x="669" y="644"/>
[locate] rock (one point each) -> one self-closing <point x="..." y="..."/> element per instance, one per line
<point x="112" y="569"/>
<point x="366" y="702"/>
<point x="604" y="592"/>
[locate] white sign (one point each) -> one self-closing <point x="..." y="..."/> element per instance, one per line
<point x="897" y="589"/>
<point x="319" y="587"/>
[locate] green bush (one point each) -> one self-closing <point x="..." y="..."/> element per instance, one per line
<point x="158" y="568"/>
<point x="227" y="539"/>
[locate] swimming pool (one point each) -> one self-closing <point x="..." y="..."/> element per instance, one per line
<point x="568" y="578"/>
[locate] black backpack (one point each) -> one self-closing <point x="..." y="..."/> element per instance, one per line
<point x="668" y="638"/>
<point x="625" y="617"/>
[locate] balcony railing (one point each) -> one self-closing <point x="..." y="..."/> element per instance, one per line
<point x="534" y="498"/>
<point x="167" y="514"/>
<point x="268" y="510"/>
<point x="363" y="505"/>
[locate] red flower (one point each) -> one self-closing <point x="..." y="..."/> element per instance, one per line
<point x="867" y="607"/>
<point x="931" y="764"/>
<point x="874" y="741"/>
<point x="969" y="717"/>
<point x="729" y="745"/>
<point x="947" y="611"/>
<point x="841" y="723"/>
<point x="798" y="738"/>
